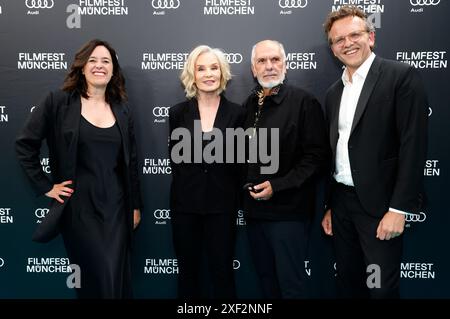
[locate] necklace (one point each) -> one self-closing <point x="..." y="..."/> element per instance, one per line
<point x="260" y="95"/>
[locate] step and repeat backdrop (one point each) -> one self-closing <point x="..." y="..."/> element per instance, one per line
<point x="38" y="40"/>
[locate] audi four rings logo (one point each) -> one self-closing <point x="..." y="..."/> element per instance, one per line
<point x="165" y="4"/>
<point x="430" y="111"/>
<point x="39" y="4"/>
<point x="236" y="264"/>
<point x="424" y="2"/>
<point x="293" y="4"/>
<point x="420" y="218"/>
<point x="162" y="213"/>
<point x="234" y="57"/>
<point x="2" y="262"/>
<point x="161" y="111"/>
<point x="41" y="212"/>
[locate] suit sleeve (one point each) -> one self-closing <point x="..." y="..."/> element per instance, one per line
<point x="171" y="128"/>
<point x="313" y="144"/>
<point x="134" y="175"/>
<point x="328" y="176"/>
<point x="175" y="113"/>
<point x="29" y="141"/>
<point x="240" y="167"/>
<point x="412" y="126"/>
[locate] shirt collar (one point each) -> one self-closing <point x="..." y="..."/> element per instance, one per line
<point x="276" y="95"/>
<point x="361" y="72"/>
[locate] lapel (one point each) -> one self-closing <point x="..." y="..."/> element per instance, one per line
<point x="221" y="120"/>
<point x="71" y="115"/>
<point x="335" y="98"/>
<point x="192" y="113"/>
<point x="369" y="84"/>
<point x="120" y="113"/>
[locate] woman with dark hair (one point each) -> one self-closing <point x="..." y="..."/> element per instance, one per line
<point x="94" y="188"/>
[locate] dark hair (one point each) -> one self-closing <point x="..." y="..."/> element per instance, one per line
<point x="75" y="80"/>
<point x="344" y="12"/>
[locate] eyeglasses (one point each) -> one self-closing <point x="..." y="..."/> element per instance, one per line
<point x="353" y="37"/>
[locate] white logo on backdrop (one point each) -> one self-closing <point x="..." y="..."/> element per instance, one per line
<point x="424" y="2"/>
<point x="39" y="4"/>
<point x="292" y="4"/>
<point x="165" y="4"/>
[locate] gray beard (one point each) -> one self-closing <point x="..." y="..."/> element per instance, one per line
<point x="271" y="84"/>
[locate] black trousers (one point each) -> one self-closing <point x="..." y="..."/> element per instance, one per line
<point x="357" y="248"/>
<point x="213" y="234"/>
<point x="279" y="250"/>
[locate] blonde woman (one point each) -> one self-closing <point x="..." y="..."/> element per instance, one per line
<point x="204" y="195"/>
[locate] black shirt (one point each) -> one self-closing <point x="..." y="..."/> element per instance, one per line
<point x="303" y="152"/>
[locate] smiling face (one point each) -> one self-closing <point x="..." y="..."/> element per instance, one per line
<point x="268" y="64"/>
<point x="207" y="73"/>
<point x="354" y="52"/>
<point x="98" y="70"/>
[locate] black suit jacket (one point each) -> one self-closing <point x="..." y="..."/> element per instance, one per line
<point x="388" y="139"/>
<point x="202" y="187"/>
<point x="57" y="120"/>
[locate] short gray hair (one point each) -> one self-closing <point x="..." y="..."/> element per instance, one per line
<point x="280" y="45"/>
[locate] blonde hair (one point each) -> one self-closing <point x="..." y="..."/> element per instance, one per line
<point x="187" y="76"/>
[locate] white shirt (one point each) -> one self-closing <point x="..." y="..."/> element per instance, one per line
<point x="349" y="100"/>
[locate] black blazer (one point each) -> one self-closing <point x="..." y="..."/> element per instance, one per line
<point x="388" y="139"/>
<point x="200" y="187"/>
<point x="57" y="120"/>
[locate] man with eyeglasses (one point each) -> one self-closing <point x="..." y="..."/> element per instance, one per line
<point x="279" y="204"/>
<point x="377" y="119"/>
